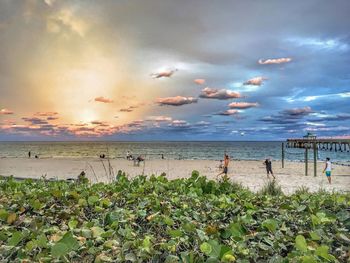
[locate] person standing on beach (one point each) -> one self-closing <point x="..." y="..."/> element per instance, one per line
<point x="29" y="154"/>
<point x="226" y="162"/>
<point x="328" y="170"/>
<point x="268" y="165"/>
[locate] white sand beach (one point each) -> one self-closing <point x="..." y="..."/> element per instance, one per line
<point x="250" y="173"/>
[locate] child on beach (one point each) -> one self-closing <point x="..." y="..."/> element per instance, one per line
<point x="268" y="165"/>
<point x="128" y="156"/>
<point x="328" y="170"/>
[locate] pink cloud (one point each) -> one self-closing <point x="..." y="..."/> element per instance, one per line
<point x="220" y="94"/>
<point x="243" y="105"/>
<point x="199" y="81"/>
<point x="179" y="123"/>
<point x="163" y="74"/>
<point x="6" y="112"/>
<point x="176" y="101"/>
<point x="274" y="61"/>
<point x="46" y="114"/>
<point x="159" y="118"/>
<point x="104" y="100"/>
<point x="257" y="81"/>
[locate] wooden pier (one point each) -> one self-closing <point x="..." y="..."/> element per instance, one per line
<point x="312" y="143"/>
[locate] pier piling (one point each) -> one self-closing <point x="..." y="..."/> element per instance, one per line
<point x="306" y="161"/>
<point x="282" y="155"/>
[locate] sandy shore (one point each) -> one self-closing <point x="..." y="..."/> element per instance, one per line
<point x="249" y="173"/>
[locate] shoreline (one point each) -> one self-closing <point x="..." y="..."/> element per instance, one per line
<point x="250" y="173"/>
<point x="96" y="158"/>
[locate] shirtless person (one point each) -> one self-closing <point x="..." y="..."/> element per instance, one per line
<point x="226" y="162"/>
<point x="268" y="165"/>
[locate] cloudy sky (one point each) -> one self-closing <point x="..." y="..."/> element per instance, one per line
<point x="173" y="70"/>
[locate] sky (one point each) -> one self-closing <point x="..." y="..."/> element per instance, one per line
<point x="174" y="70"/>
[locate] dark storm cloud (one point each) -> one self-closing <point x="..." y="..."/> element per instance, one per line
<point x="128" y="109"/>
<point x="35" y="121"/>
<point x="51" y="118"/>
<point x="288" y="116"/>
<point x="228" y="112"/>
<point x="337" y="117"/>
<point x="296" y="112"/>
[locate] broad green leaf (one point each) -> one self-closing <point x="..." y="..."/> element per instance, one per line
<point x="36" y="204"/>
<point x="300" y="243"/>
<point x="168" y="221"/>
<point x="42" y="241"/>
<point x="308" y="259"/>
<point x="175" y="233"/>
<point x="15" y="239"/>
<point x="236" y="230"/>
<point x="130" y="257"/>
<point x="73" y="223"/>
<point x="270" y="224"/>
<point x="97" y="231"/>
<point x="66" y="244"/>
<point x="343" y="215"/>
<point x="315" y="236"/>
<point x="216" y="248"/>
<point x="31" y="245"/>
<point x="146" y="244"/>
<point x="70" y="241"/>
<point x="86" y="233"/>
<point x="343" y="238"/>
<point x="59" y="250"/>
<point x="189" y="227"/>
<point x="301" y="208"/>
<point x="206" y="248"/>
<point x="322" y="252"/>
<point x="172" y="259"/>
<point x="228" y="258"/>
<point x="315" y="220"/>
<point x="93" y="199"/>
<point x="3" y="214"/>
<point x="82" y="202"/>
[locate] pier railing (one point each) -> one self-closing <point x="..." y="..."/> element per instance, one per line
<point x="315" y="145"/>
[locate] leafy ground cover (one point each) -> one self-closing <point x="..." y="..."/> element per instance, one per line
<point x="156" y="220"/>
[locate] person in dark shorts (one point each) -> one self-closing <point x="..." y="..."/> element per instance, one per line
<point x="268" y="165"/>
<point x="138" y="160"/>
<point x="226" y="162"/>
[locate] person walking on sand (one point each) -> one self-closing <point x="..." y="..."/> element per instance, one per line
<point x="268" y="165"/>
<point x="328" y="170"/>
<point x="226" y="162"/>
<point x="29" y="154"/>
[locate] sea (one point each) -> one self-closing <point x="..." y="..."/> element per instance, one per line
<point x="184" y="150"/>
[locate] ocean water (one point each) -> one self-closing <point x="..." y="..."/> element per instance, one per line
<point x="250" y="150"/>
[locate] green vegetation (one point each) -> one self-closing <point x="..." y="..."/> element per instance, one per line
<point x="156" y="220"/>
<point x="271" y="188"/>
